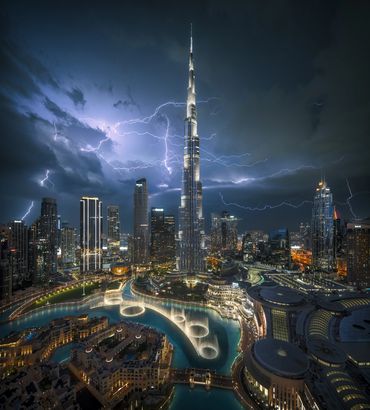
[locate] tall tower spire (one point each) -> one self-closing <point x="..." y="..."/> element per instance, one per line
<point x="191" y="252"/>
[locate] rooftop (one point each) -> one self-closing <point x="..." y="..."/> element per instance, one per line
<point x="281" y="358"/>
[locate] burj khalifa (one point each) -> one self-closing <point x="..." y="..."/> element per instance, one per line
<point x="191" y="250"/>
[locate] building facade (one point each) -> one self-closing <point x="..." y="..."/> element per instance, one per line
<point x="68" y="245"/>
<point x="114" y="228"/>
<point x="162" y="236"/>
<point x="322" y="228"/>
<point x="191" y="250"/>
<point x="141" y="223"/>
<point x="91" y="227"/>
<point x="358" y="253"/>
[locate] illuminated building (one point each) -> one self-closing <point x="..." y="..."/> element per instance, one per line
<point x="19" y="247"/>
<point x="91" y="227"/>
<point x="114" y="230"/>
<point x="68" y="245"/>
<point x="358" y="253"/>
<point x="279" y="247"/>
<point x="162" y="236"/>
<point x="191" y="250"/>
<point x="124" y="358"/>
<point x="275" y="373"/>
<point x="322" y="229"/>
<point x="224" y="233"/>
<point x="248" y="248"/>
<point x="141" y="223"/>
<point x="31" y="346"/>
<point x="5" y="263"/>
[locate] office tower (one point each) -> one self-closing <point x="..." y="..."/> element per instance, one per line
<point x="68" y="245"/>
<point x="191" y="252"/>
<point x="322" y="228"/>
<point x="91" y="227"/>
<point x="358" y="253"/>
<point x="114" y="230"/>
<point x="5" y="264"/>
<point x="224" y="233"/>
<point x="42" y="243"/>
<point x="162" y="236"/>
<point x="279" y="247"/>
<point x="141" y="223"/>
<point x="18" y="242"/>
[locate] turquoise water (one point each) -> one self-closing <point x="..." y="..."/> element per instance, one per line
<point x="227" y="332"/>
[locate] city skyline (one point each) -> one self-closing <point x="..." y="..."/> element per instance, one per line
<point x="70" y="120"/>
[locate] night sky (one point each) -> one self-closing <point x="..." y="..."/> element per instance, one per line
<point x="92" y="98"/>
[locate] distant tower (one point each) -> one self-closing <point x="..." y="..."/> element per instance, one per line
<point x="191" y="252"/>
<point x="91" y="227"/>
<point x="322" y="229"/>
<point x="141" y="223"/>
<point x="114" y="229"/>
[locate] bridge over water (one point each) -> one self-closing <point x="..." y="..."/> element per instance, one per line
<point x="203" y="377"/>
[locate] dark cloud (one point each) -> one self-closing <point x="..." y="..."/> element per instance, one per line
<point x="128" y="103"/>
<point x="77" y="96"/>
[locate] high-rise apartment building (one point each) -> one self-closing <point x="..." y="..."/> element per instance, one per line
<point x="91" y="228"/>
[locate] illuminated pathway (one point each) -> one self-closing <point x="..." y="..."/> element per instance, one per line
<point x="196" y="330"/>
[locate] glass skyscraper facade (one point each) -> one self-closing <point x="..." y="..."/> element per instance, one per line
<point x="91" y="227"/>
<point x="322" y="228"/>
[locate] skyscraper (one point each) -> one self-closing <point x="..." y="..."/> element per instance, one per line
<point x="141" y="223"/>
<point x="19" y="246"/>
<point x="322" y="229"/>
<point x="48" y="234"/>
<point x="224" y="233"/>
<point x="68" y="244"/>
<point x="114" y="230"/>
<point x="191" y="251"/>
<point x="91" y="227"/>
<point x="358" y="253"/>
<point x="162" y="236"/>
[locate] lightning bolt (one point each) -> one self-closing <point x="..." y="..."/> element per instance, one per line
<point x="265" y="207"/>
<point x="46" y="179"/>
<point x="348" y="200"/>
<point x="27" y="212"/>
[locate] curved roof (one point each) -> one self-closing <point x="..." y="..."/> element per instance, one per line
<point x="281" y="295"/>
<point x="326" y="351"/>
<point x="281" y="358"/>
